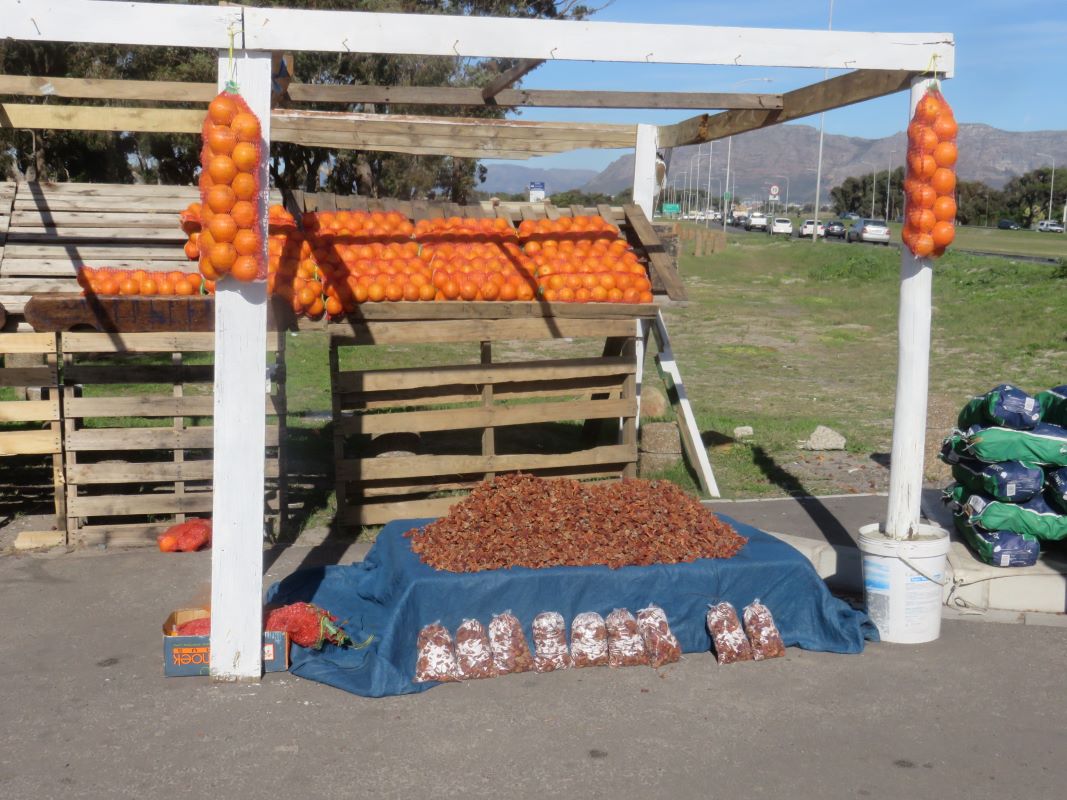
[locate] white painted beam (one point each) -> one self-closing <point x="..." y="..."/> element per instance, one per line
<point x="490" y="37"/>
<point x="645" y="168"/>
<point x="913" y="379"/>
<point x="240" y="421"/>
<point x="95" y="21"/>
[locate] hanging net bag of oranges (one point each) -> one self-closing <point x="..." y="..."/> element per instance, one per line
<point x="930" y="185"/>
<point x="231" y="242"/>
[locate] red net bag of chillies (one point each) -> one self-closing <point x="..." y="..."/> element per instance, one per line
<point x="231" y="242"/>
<point x="660" y="643"/>
<point x="762" y="632"/>
<point x="626" y="648"/>
<point x="511" y="653"/>
<point x="589" y="640"/>
<point x="474" y="657"/>
<point x="436" y="660"/>
<point x="550" y="642"/>
<point x="930" y="182"/>
<point x="727" y="636"/>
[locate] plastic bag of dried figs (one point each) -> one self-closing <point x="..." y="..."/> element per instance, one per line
<point x="727" y="636"/>
<point x="762" y="632"/>
<point x="511" y="653"/>
<point x="589" y="640"/>
<point x="474" y="657"/>
<point x="626" y="648"/>
<point x="550" y="642"/>
<point x="660" y="643"/>
<point x="436" y="660"/>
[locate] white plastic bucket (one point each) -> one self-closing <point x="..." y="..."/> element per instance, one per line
<point x="902" y="582"/>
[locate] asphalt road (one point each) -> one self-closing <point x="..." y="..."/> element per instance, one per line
<point x="87" y="714"/>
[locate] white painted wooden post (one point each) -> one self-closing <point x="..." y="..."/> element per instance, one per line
<point x="913" y="378"/>
<point x="240" y="420"/>
<point x="645" y="168"/>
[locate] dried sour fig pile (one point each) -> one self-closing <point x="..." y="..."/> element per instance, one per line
<point x="524" y="521"/>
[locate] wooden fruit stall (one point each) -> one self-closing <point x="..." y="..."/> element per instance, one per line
<point x="878" y="64"/>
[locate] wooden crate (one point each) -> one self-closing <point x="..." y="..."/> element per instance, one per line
<point x="494" y="409"/>
<point x="31" y="441"/>
<point x="139" y="458"/>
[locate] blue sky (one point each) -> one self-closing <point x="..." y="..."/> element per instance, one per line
<point x="1011" y="63"/>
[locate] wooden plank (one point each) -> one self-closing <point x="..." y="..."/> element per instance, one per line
<point x="52" y="218"/>
<point x="96" y="439"/>
<point x="20" y="443"/>
<point x="445" y="375"/>
<point x="32" y="286"/>
<point x="543" y="98"/>
<point x="657" y="256"/>
<point x="495" y="37"/>
<point x="162" y="373"/>
<point x="28" y="376"/>
<point x="64" y="312"/>
<point x="477" y="330"/>
<point x="94" y="253"/>
<point x="78" y="342"/>
<point x="492" y="417"/>
<point x="382" y="513"/>
<point x="27" y="343"/>
<point x="509" y="77"/>
<point x="29" y="410"/>
<point x="843" y="90"/>
<point x="53" y="189"/>
<point x="99" y="118"/>
<point x="151" y="472"/>
<point x="147" y="406"/>
<point x="107" y="89"/>
<point x="446" y="466"/>
<point x="424" y="312"/>
<point x="465" y="393"/>
<point x="60" y="235"/>
<point x="128" y="504"/>
<point x="57" y="269"/>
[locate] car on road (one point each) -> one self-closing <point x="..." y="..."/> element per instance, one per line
<point x="808" y="229"/>
<point x="715" y="216"/>
<point x="756" y="221"/>
<point x="1050" y="226"/>
<point x="1008" y="225"/>
<point x="868" y="230"/>
<point x="781" y="225"/>
<point x="835" y="229"/>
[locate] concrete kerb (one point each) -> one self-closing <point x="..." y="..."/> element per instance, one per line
<point x="973" y="590"/>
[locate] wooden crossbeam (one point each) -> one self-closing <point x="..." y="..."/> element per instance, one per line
<point x="188" y="92"/>
<point x="843" y="90"/>
<point x="509" y="77"/>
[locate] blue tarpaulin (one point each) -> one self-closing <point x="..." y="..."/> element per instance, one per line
<point x="391" y="595"/>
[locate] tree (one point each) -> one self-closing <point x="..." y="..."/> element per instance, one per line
<point x="855" y="195"/>
<point x="126" y="157"/>
<point x="1026" y="197"/>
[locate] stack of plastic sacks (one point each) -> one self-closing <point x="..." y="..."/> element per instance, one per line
<point x="1009" y="462"/>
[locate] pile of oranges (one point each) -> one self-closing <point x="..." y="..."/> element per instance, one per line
<point x="931" y="177"/>
<point x="105" y="282"/>
<point x="229" y="242"/>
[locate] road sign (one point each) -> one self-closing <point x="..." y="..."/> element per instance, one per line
<point x="774" y="190"/>
<point x="537" y="191"/>
<point x="728" y="196"/>
<point x="672" y="208"/>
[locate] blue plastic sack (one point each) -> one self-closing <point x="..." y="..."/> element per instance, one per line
<point x="1011" y="481"/>
<point x="1053" y="404"/>
<point x="999" y="548"/>
<point x="1003" y="406"/>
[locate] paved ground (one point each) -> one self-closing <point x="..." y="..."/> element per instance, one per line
<point x="88" y="714"/>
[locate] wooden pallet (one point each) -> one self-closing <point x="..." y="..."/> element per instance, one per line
<point x="31" y="440"/>
<point x="473" y="420"/>
<point x="139" y="458"/>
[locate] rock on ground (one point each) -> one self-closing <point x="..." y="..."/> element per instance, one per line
<point x="823" y="438"/>
<point x="660" y="437"/>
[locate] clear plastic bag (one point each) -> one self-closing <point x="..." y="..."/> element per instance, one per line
<point x="727" y="636"/>
<point x="474" y="657"/>
<point x="661" y="644"/>
<point x="550" y="642"/>
<point x="762" y="633"/>
<point x="589" y="640"/>
<point x="626" y="648"/>
<point x="436" y="658"/>
<point x="511" y="653"/>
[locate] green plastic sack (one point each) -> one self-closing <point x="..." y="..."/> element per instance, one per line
<point x="1045" y="445"/>
<point x="1000" y="548"/>
<point x="1010" y="481"/>
<point x="1053" y="404"/>
<point x="1034" y="517"/>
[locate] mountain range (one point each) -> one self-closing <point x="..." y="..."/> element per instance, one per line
<point x="786" y="155"/>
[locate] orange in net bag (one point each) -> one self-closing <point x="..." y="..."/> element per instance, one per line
<point x="930" y="182"/>
<point x="230" y="190"/>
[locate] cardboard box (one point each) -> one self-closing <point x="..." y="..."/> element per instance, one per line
<point x="191" y="655"/>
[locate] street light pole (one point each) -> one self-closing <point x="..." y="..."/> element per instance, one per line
<point x="729" y="152"/>
<point x="822" y="129"/>
<point x="1053" y="184"/>
<point x="888" y="183"/>
<point x="707" y="216"/>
